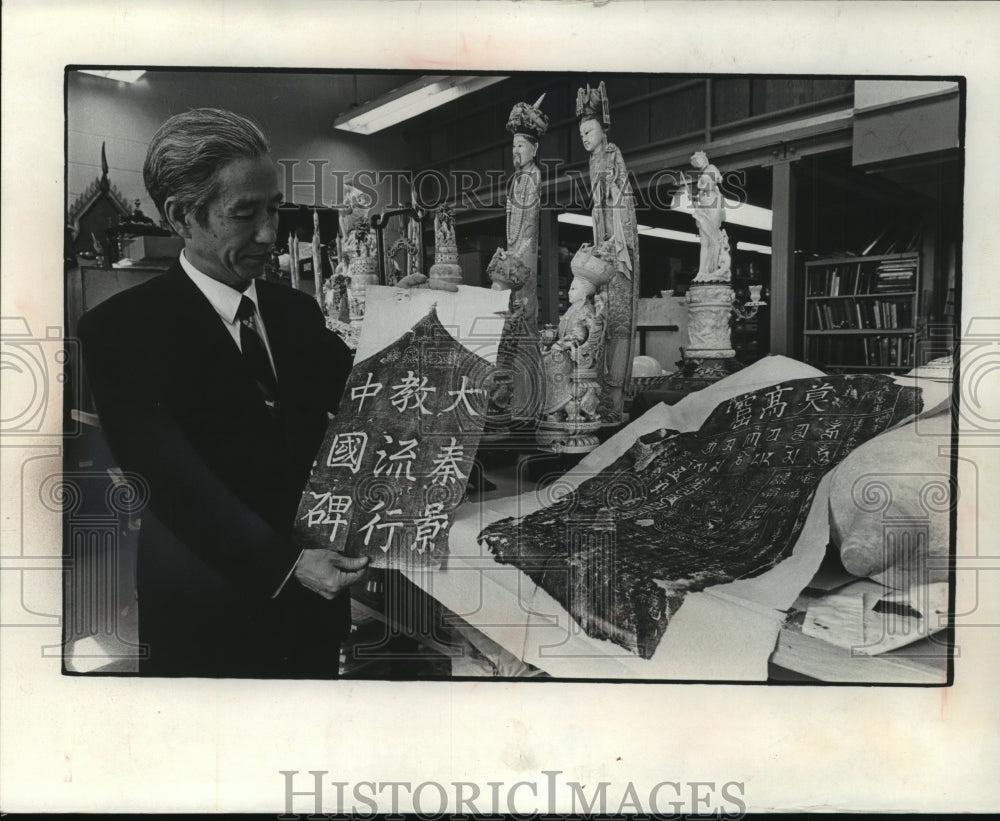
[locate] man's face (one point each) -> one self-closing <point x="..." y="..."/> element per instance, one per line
<point x="591" y="134"/>
<point x="241" y="225"/>
<point x="523" y="150"/>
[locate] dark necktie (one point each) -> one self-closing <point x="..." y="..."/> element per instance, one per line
<point x="254" y="352"/>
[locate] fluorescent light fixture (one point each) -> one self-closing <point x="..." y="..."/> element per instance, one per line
<point x="575" y="219"/>
<point x="749" y="216"/>
<point x="644" y="230"/>
<point x="667" y="233"/>
<point x="129" y="76"/>
<point x="753" y="246"/>
<point x="410" y="100"/>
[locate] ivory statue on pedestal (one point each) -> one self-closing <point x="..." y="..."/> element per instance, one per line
<point x="614" y="221"/>
<point x="572" y="357"/>
<point x="360" y="248"/>
<point x="518" y="380"/>
<point x="527" y="125"/>
<point x="445" y="268"/>
<point x="709" y="214"/>
<point x="710" y="296"/>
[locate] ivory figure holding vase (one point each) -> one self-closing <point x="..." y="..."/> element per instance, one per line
<point x="614" y="222"/>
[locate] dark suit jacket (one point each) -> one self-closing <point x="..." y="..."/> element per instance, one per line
<point x="179" y="407"/>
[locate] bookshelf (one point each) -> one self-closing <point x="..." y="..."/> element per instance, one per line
<point x="861" y="313"/>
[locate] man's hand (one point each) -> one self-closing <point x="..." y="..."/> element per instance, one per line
<point x="419" y="281"/>
<point x="327" y="572"/>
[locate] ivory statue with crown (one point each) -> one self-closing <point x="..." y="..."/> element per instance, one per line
<point x="572" y="355"/>
<point x="517" y="399"/>
<point x="615" y="227"/>
<point x="526" y="124"/>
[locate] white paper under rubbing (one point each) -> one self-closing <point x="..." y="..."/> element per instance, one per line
<point x="473" y="316"/>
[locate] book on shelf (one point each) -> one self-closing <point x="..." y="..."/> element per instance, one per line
<point x="860" y="314"/>
<point x="863" y="311"/>
<point x="862" y="278"/>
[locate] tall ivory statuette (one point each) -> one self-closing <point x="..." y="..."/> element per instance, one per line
<point x="518" y="380"/>
<point x="360" y="249"/>
<point x="614" y="221"/>
<point x="527" y="125"/>
<point x="710" y="296"/>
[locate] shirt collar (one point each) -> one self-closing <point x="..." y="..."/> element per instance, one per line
<point x="224" y="299"/>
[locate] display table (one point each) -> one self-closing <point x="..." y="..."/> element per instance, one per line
<point x="503" y="605"/>
<point x="727" y="632"/>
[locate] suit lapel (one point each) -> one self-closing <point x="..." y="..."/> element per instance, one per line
<point x="206" y="344"/>
<point x="279" y="337"/>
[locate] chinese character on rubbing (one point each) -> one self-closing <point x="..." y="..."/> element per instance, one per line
<point x="328" y="510"/>
<point x="376" y="523"/>
<point x="462" y="396"/>
<point x="429" y="525"/>
<point x="774" y="408"/>
<point x="367" y="391"/>
<point x="347" y="451"/>
<point x="411" y="393"/>
<point x="446" y="469"/>
<point x="398" y="464"/>
<point x="742" y="410"/>
<point x="816" y="396"/>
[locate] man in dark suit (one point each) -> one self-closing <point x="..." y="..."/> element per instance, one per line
<point x="215" y="387"/>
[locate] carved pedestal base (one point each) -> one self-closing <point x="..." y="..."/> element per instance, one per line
<point x="362" y="273"/>
<point x="446" y="267"/>
<point x="698" y="373"/>
<point x="573" y="428"/>
<point x="567" y="437"/>
<point x="710" y="309"/>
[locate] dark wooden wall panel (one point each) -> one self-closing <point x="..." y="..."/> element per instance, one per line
<point x="630" y="127"/>
<point x="622" y="89"/>
<point x="773" y="94"/>
<point x="678" y="113"/>
<point x="730" y="100"/>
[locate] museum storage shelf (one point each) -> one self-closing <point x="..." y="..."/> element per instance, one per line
<point x="861" y="313"/>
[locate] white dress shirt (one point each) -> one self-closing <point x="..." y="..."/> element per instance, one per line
<point x="226" y="302"/>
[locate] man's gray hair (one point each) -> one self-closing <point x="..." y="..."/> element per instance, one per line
<point x="187" y="152"/>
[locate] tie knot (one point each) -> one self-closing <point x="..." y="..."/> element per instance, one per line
<point x="246" y="309"/>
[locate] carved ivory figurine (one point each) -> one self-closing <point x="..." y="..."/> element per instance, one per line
<point x="518" y="372"/>
<point x="445" y="267"/>
<point x="527" y="124"/>
<point x="572" y="356"/>
<point x="358" y="242"/>
<point x="710" y="297"/>
<point x="614" y="220"/>
<point x="709" y="214"/>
